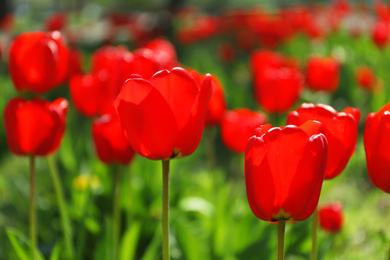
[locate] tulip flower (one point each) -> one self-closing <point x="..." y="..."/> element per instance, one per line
<point x="110" y="142"/>
<point x="284" y="172"/>
<point x="34" y="127"/>
<point x="91" y="93"/>
<point x="277" y="89"/>
<point x="38" y="61"/>
<point x="380" y="33"/>
<point x="238" y="125"/>
<point x="340" y="130"/>
<point x="55" y="22"/>
<point x="278" y="83"/>
<point x="376" y="143"/>
<point x="331" y="217"/>
<point x="323" y="74"/>
<point x="163" y="118"/>
<point x="365" y="77"/>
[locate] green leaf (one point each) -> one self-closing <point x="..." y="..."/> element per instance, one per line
<point x="21" y="244"/>
<point x="129" y="241"/>
<point x="153" y="251"/>
<point x="55" y="254"/>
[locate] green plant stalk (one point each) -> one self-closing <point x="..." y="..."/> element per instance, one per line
<point x="388" y="256"/>
<point x="281" y="230"/>
<point x="81" y="234"/>
<point x="65" y="220"/>
<point x="314" y="235"/>
<point x="116" y="212"/>
<point x="165" y="213"/>
<point x="33" y="234"/>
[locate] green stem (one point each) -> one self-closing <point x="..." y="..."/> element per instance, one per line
<point x="81" y="234"/>
<point x="388" y="256"/>
<point x="165" y="213"/>
<point x="65" y="220"/>
<point x="314" y="235"/>
<point x="33" y="235"/>
<point x="116" y="212"/>
<point x="281" y="230"/>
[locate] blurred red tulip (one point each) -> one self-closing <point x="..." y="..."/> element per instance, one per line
<point x="284" y="171"/>
<point x="380" y="33"/>
<point x="331" y="217"/>
<point x="6" y="22"/>
<point x="382" y="11"/>
<point x="238" y="125"/>
<point x="34" y="127"/>
<point x="163" y="117"/>
<point x="376" y="145"/>
<point x="91" y="94"/>
<point x="340" y="130"/>
<point x="277" y="83"/>
<point x="365" y="77"/>
<point x="110" y="142"/>
<point x="55" y="22"/>
<point x="38" y="61"/>
<point x="323" y="74"/>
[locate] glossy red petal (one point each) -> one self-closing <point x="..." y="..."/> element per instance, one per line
<point x="190" y="135"/>
<point x="259" y="180"/>
<point x="147" y="119"/>
<point x="179" y="90"/>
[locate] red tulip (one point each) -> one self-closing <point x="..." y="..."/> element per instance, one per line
<point x="277" y="89"/>
<point x="376" y="145"/>
<point x="34" y="126"/>
<point x="163" y="117"/>
<point x="55" y="22"/>
<point x="7" y="22"/>
<point x="380" y="33"/>
<point x="340" y="131"/>
<point x="323" y="74"/>
<point x="365" y="77"/>
<point x="382" y="11"/>
<point x="277" y="81"/>
<point x="92" y="95"/>
<point x="238" y="125"/>
<point x="284" y="171"/>
<point x="110" y="142"/>
<point x="331" y="217"/>
<point x="38" y="61"/>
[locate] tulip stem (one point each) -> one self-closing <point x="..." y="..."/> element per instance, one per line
<point x="116" y="212"/>
<point x="281" y="230"/>
<point x="165" y="212"/>
<point x="65" y="221"/>
<point x="33" y="235"/>
<point x="388" y="256"/>
<point x="314" y="235"/>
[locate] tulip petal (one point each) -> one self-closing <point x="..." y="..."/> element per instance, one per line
<point x="147" y="119"/>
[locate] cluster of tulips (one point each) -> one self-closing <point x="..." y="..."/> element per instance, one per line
<point x="145" y="102"/>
